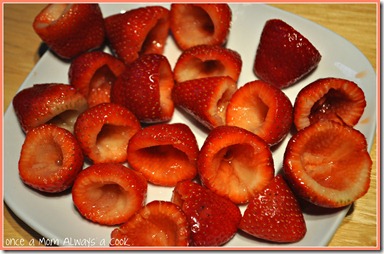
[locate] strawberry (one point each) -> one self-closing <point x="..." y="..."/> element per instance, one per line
<point x="93" y="74"/>
<point x="284" y="56"/>
<point x="70" y="29"/>
<point x="55" y="103"/>
<point x="274" y="214"/>
<point x="327" y="164"/>
<point x="145" y="88"/>
<point x="258" y="106"/>
<point x="207" y="61"/>
<point x="334" y="99"/>
<point x="235" y="163"/>
<point x="50" y="159"/>
<point x="205" y="99"/>
<point x="108" y="193"/>
<point x="138" y="31"/>
<point x="164" y="153"/>
<point x="159" y="223"/>
<point x="213" y="219"/>
<point x="198" y="23"/>
<point x="104" y="131"/>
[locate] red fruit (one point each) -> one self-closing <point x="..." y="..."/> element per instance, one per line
<point x="327" y="164"/>
<point x="104" y="131"/>
<point x="145" y="88"/>
<point x="207" y="61"/>
<point x="258" y="106"/>
<point x="235" y="163"/>
<point x="50" y="159"/>
<point x="334" y="99"/>
<point x="59" y="104"/>
<point x="197" y="24"/>
<point x="109" y="193"/>
<point x="93" y="74"/>
<point x="159" y="223"/>
<point x="138" y="31"/>
<point x="70" y="29"/>
<point x="284" y="56"/>
<point x="164" y="153"/>
<point x="205" y="99"/>
<point x="274" y="214"/>
<point x="213" y="219"/>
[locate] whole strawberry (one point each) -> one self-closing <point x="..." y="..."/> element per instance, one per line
<point x="274" y="214"/>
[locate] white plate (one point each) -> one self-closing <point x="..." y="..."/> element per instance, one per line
<point x="55" y="217"/>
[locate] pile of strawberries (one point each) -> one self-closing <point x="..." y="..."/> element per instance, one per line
<point x="107" y="134"/>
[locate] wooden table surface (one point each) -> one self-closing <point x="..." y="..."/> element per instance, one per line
<point x="355" y="22"/>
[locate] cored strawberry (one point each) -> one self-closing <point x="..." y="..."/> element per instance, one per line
<point x="93" y="74"/>
<point x="205" y="99"/>
<point x="262" y="109"/>
<point x="198" y="24"/>
<point x="104" y="131"/>
<point x="164" y="153"/>
<point x="50" y="159"/>
<point x="109" y="193"/>
<point x="207" y="61"/>
<point x="334" y="99"/>
<point x="213" y="219"/>
<point x="55" y="103"/>
<point x="71" y="29"/>
<point x="145" y="88"/>
<point x="327" y="164"/>
<point x="235" y="163"/>
<point x="284" y="56"/>
<point x="274" y="214"/>
<point x="159" y="223"/>
<point x="138" y="31"/>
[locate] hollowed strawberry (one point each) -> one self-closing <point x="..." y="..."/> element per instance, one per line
<point x="205" y="99"/>
<point x="327" y="163"/>
<point x="59" y="104"/>
<point x="213" y="219"/>
<point x="109" y="194"/>
<point x="159" y="223"/>
<point x="274" y="214"/>
<point x="258" y="107"/>
<point x="207" y="61"/>
<point x="137" y="32"/>
<point x="71" y="29"/>
<point x="284" y="56"/>
<point x="334" y="99"/>
<point x="198" y="24"/>
<point x="145" y="88"/>
<point x="164" y="153"/>
<point x="93" y="74"/>
<point x="50" y="159"/>
<point x="104" y="131"/>
<point x="235" y="163"/>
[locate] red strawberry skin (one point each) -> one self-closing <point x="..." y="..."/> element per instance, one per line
<point x="284" y="56"/>
<point x="108" y="193"/>
<point x="164" y="153"/>
<point x="159" y="223"/>
<point x="205" y="99"/>
<point x="71" y="29"/>
<point x="200" y="24"/>
<point x="207" y="61"/>
<point x="274" y="214"/>
<point x="51" y="102"/>
<point x="139" y="31"/>
<point x="50" y="159"/>
<point x="93" y="74"/>
<point x="145" y="88"/>
<point x="213" y="219"/>
<point x="104" y="131"/>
